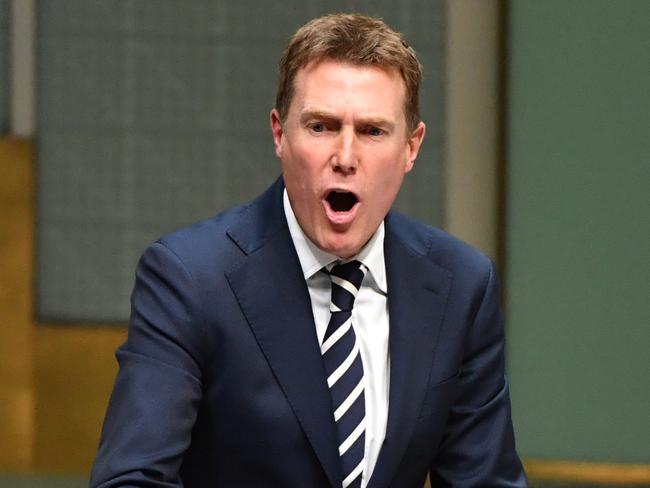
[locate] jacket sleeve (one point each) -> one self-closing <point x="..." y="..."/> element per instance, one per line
<point x="158" y="389"/>
<point x="478" y="446"/>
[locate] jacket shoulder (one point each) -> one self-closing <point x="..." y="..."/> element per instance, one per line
<point x="206" y="237"/>
<point x="440" y="247"/>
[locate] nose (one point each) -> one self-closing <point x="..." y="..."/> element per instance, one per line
<point x="345" y="158"/>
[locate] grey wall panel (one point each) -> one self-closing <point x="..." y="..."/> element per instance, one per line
<point x="154" y="114"/>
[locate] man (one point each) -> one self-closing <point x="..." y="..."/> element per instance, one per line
<point x="314" y="338"/>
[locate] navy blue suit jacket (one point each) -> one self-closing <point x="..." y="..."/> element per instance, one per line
<point x="221" y="382"/>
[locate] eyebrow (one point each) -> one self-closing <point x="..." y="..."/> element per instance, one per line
<point x="316" y="114"/>
<point x="324" y="115"/>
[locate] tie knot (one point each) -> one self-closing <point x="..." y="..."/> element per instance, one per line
<point x="346" y="280"/>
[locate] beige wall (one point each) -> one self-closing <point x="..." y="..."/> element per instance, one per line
<point x="472" y="120"/>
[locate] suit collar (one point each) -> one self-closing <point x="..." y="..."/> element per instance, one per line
<point x="261" y="220"/>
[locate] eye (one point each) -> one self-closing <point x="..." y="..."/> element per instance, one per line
<point x="374" y="131"/>
<point x="317" y="127"/>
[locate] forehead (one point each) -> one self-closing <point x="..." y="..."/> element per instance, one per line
<point x="341" y="84"/>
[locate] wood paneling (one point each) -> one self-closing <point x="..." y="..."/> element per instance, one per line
<point x="577" y="472"/>
<point x="74" y="371"/>
<point x="16" y="243"/>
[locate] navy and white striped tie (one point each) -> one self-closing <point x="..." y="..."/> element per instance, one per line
<point x="344" y="368"/>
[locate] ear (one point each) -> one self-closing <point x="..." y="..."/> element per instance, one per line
<point x="413" y="145"/>
<point x="277" y="131"/>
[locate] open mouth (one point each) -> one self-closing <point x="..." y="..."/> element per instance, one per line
<point x="341" y="201"/>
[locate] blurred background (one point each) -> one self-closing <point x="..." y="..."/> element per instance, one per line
<point x="122" y="120"/>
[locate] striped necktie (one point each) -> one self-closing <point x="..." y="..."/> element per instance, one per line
<point x="344" y="368"/>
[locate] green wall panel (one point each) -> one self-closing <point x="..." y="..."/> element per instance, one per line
<point x="578" y="228"/>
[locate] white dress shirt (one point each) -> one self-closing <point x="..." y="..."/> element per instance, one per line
<point x="369" y="317"/>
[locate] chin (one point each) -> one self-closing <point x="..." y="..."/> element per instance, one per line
<point x="341" y="249"/>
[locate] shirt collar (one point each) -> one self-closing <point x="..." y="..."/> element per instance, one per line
<point x="313" y="259"/>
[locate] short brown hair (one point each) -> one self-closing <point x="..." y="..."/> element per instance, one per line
<point x="351" y="38"/>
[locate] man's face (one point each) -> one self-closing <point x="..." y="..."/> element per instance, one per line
<point x="344" y="148"/>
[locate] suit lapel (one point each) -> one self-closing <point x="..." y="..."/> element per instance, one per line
<point x="417" y="293"/>
<point x="272" y="294"/>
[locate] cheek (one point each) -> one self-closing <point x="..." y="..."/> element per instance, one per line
<point x="305" y="161"/>
<point x="300" y="178"/>
<point x="294" y="167"/>
<point x="391" y="179"/>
